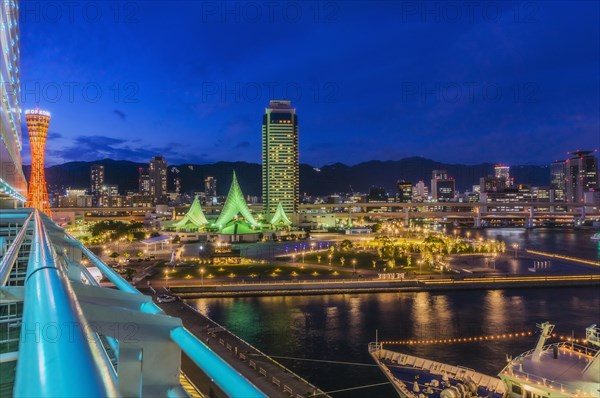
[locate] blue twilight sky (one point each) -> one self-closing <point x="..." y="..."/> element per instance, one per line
<point x="465" y="82"/>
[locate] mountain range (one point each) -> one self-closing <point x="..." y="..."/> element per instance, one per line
<point x="334" y="178"/>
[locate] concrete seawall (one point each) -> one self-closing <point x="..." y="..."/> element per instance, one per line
<point x="375" y="286"/>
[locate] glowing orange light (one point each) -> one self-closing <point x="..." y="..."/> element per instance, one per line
<point x="37" y="126"/>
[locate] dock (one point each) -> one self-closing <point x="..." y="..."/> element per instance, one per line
<point x="271" y="377"/>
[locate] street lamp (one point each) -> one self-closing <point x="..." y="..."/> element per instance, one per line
<point x="202" y="276"/>
<point x="167" y="278"/>
<point x="516" y="247"/>
<point x="330" y="256"/>
<point x="354" y="266"/>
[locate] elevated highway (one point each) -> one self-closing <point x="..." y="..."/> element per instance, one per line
<point x="529" y="212"/>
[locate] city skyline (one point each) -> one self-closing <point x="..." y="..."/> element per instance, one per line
<point x="425" y="104"/>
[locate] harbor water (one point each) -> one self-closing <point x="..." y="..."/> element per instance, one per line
<point x="337" y="328"/>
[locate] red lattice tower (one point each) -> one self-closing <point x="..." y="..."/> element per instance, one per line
<point x="37" y="126"/>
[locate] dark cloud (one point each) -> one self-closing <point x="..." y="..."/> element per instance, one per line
<point x="91" y="147"/>
<point x="120" y="114"/>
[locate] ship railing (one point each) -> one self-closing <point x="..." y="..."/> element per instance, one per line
<point x="592" y="333"/>
<point x="375" y="347"/>
<point x="511" y="368"/>
<point x="578" y="348"/>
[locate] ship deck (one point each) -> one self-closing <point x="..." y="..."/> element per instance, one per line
<point x="564" y="373"/>
<point x="404" y="370"/>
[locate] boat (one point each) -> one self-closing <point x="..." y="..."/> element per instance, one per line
<point x="415" y="377"/>
<point x="596" y="236"/>
<point x="563" y="369"/>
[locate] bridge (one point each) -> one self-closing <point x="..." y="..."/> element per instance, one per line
<point x="476" y="212"/>
<point x="63" y="335"/>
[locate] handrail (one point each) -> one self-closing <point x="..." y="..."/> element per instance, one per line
<point x="11" y="255"/>
<point x="56" y="358"/>
<point x="223" y="375"/>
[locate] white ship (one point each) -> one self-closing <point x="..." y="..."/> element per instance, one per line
<point x="556" y="370"/>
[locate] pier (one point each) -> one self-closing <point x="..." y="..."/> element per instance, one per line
<point x="379" y="286"/>
<point x="272" y="378"/>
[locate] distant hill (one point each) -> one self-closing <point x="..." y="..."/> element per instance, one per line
<point x="328" y="179"/>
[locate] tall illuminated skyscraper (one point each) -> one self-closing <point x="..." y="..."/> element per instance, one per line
<point x="37" y="127"/>
<point x="581" y="175"/>
<point x="96" y="178"/>
<point x="502" y="172"/>
<point x="13" y="185"/>
<point x="210" y="187"/>
<point x="158" y="179"/>
<point x="280" y="168"/>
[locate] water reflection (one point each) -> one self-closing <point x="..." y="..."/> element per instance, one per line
<point x="570" y="242"/>
<point x="339" y="327"/>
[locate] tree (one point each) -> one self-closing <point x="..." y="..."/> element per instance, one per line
<point x="346" y="245"/>
<point x="114" y="256"/>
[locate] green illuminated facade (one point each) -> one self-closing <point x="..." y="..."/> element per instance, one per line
<point x="280" y="168"/>
<point x="234" y="205"/>
<point x="194" y="219"/>
<point x="280" y="219"/>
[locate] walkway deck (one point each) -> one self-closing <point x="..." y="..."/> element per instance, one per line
<point x="265" y="373"/>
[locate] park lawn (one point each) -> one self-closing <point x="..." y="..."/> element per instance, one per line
<point x="364" y="260"/>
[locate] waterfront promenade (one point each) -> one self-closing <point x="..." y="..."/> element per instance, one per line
<point x="268" y="375"/>
<point x="381" y="285"/>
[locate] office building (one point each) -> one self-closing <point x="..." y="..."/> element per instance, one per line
<point x="96" y="182"/>
<point x="377" y="194"/>
<point x="13" y="185"/>
<point x="210" y="187"/>
<point x="502" y="173"/>
<point x="158" y="179"/>
<point x="280" y="168"/>
<point x="96" y="178"/>
<point x="581" y="175"/>
<point x="420" y="192"/>
<point x="442" y="187"/>
<point x="492" y="183"/>
<point x="144" y="181"/>
<point x="558" y="174"/>
<point x="405" y="191"/>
